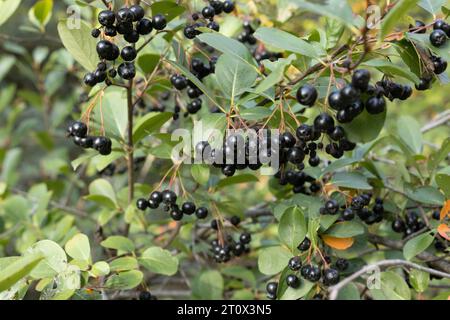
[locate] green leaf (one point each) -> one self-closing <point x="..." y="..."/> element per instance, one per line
<point x="7" y="8"/>
<point x="55" y="260"/>
<point x="300" y="292"/>
<point x="427" y="195"/>
<point x="439" y="156"/>
<point x="352" y="180"/>
<point x="286" y="41"/>
<point x="393" y="287"/>
<point x="158" y="260"/>
<point x="123" y="264"/>
<point x="169" y="9"/>
<point x="100" y="269"/>
<point x="408" y="130"/>
<point x="276" y="75"/>
<point x="208" y="285"/>
<point x="103" y="187"/>
<point x="255" y="114"/>
<point x="359" y="131"/>
<point x="148" y="62"/>
<point x="118" y="243"/>
<point x="419" y="280"/>
<point x="113" y="107"/>
<point x="149" y="124"/>
<point x="339" y="10"/>
<point x="240" y="273"/>
<point x="395" y="15"/>
<point x="443" y="181"/>
<point x="273" y="260"/>
<point x="234" y="75"/>
<point x="41" y="13"/>
<point x="229" y="46"/>
<point x="346" y="229"/>
<point x="78" y="248"/>
<point x="417" y="245"/>
<point x="349" y="292"/>
<point x="392" y="69"/>
<point x="125" y="280"/>
<point x="80" y="43"/>
<point x="243" y="178"/>
<point x="18" y="269"/>
<point x="292" y="228"/>
<point x="200" y="173"/>
<point x="432" y="6"/>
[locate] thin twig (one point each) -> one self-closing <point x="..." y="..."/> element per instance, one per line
<point x="334" y="290"/>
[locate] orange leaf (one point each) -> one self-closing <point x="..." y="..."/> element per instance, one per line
<point x="445" y="210"/>
<point x="338" y="243"/>
<point x="444" y="231"/>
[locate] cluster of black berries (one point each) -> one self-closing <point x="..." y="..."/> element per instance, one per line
<point x="330" y="274"/>
<point x="236" y="153"/>
<point x="392" y="90"/>
<point x="78" y="130"/>
<point x="208" y="13"/>
<point x="441" y="31"/>
<point x="147" y="295"/>
<point x="438" y="38"/>
<point x="130" y="23"/>
<point x="230" y="248"/>
<point x="247" y="34"/>
<point x="301" y="182"/>
<point x="169" y="199"/>
<point x="411" y="224"/>
<point x="358" y="207"/>
<point x="200" y="70"/>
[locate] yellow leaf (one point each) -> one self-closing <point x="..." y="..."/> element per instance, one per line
<point x="338" y="243"/>
<point x="444" y="231"/>
<point x="445" y="210"/>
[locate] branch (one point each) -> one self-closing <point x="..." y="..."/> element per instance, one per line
<point x="334" y="290"/>
<point x="431" y="259"/>
<point x="130" y="148"/>
<point x="441" y="119"/>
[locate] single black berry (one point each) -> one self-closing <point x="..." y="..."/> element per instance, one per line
<point x="295" y="263"/>
<point x="293" y="281"/>
<point x="188" y="208"/>
<point x="128" y="53"/>
<point x="438" y="38"/>
<point x="159" y="22"/>
<point x="307" y="95"/>
<point x="106" y="18"/>
<point x="144" y="27"/>
<point x="201" y="213"/>
<point x="138" y="12"/>
<point x="304" y="245"/>
<point x="142" y="204"/>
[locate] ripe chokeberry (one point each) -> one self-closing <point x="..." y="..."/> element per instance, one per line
<point x="176" y="214"/>
<point x="190" y="32"/>
<point x="272" y="288"/>
<point x="169" y="197"/>
<point x="376" y="105"/>
<point x="106" y="18"/>
<point x="144" y="27"/>
<point x="348" y="214"/>
<point x="79" y="129"/>
<point x="132" y="37"/>
<point x="304" y="245"/>
<point x="102" y="145"/>
<point x="245" y="238"/>
<point x="156" y="196"/>
<point x="398" y="225"/>
<point x="295" y="263"/>
<point x="138" y="12"/>
<point x="208" y="12"/>
<point x="228" y="6"/>
<point x="330" y="277"/>
<point x="342" y="264"/>
<point x="293" y="281"/>
<point x="440" y="65"/>
<point x="332" y="206"/>
<point x="335" y="100"/>
<point x="307" y="95"/>
<point x="201" y="213"/>
<point x="324" y="122"/>
<point x="235" y="220"/>
<point x="96" y="33"/>
<point x="159" y="22"/>
<point x="361" y="79"/>
<point x="127" y="70"/>
<point x="188" y="208"/>
<point x="142" y="204"/>
<point x="125" y="15"/>
<point x="438" y="38"/>
<point x="128" y="53"/>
